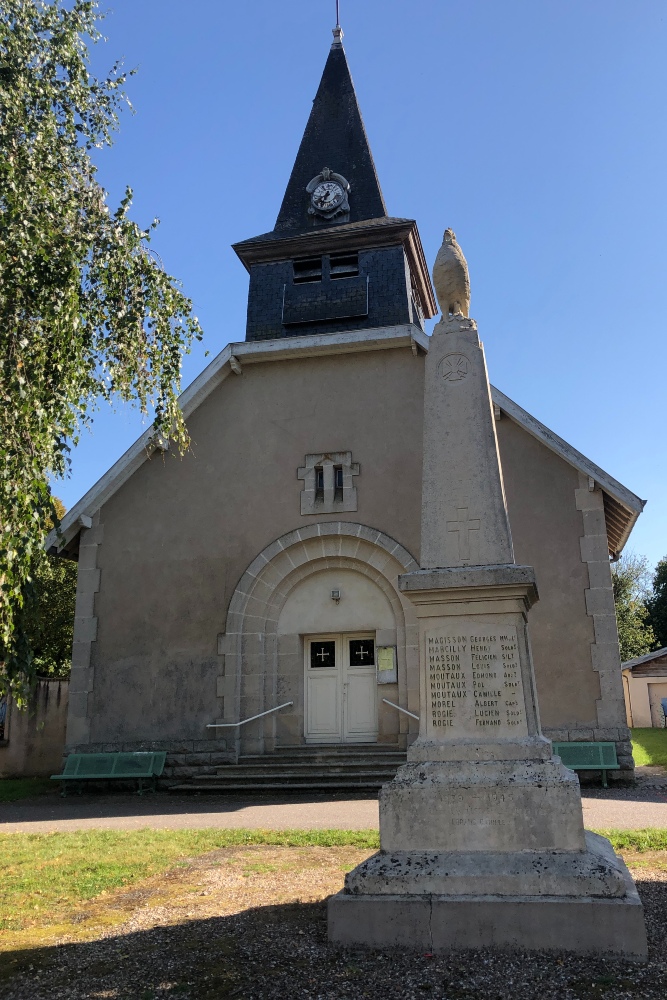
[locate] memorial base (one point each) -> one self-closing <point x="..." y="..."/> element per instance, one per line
<point x="487" y="806"/>
<point x="612" y="928"/>
<point x="595" y="871"/>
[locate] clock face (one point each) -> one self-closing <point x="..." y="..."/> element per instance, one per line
<point x="327" y="195"/>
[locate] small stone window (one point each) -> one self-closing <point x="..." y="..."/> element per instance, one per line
<point x="319" y="484"/>
<point x="338" y="483"/>
<point x="309" y="269"/>
<point x="327" y="483"/>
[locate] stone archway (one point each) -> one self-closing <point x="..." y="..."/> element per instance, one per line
<point x="256" y="655"/>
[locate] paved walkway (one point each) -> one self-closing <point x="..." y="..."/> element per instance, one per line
<point x="630" y="809"/>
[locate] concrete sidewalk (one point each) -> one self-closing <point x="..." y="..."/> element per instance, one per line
<point x="629" y="809"/>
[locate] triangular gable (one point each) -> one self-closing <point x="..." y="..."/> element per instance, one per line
<point x="622" y="507"/>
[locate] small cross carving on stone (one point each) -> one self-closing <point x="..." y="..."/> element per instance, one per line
<point x="463" y="526"/>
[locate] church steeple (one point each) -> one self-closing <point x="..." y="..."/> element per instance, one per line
<point x="335" y="261"/>
<point x="334" y="138"/>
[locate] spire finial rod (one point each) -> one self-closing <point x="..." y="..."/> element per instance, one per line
<point x="337" y="31"/>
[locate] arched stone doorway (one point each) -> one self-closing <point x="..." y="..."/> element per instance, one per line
<point x="285" y="596"/>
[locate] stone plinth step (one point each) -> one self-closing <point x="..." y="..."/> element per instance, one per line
<point x="274" y="786"/>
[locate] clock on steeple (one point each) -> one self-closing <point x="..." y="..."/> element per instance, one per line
<point x="328" y="193"/>
<point x="335" y="261"/>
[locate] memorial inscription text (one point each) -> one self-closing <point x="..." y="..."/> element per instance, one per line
<point x="474" y="683"/>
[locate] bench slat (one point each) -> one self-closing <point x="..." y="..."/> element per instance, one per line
<point x="588" y="756"/>
<point x="133" y="765"/>
<point x="140" y="764"/>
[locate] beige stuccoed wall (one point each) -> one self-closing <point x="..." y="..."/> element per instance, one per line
<point x="310" y="609"/>
<point x="35" y="736"/>
<point x="179" y="535"/>
<point x="546" y="529"/>
<point x="643" y="699"/>
<point x="181" y="532"/>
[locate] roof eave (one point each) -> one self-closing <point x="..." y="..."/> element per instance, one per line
<point x="624" y="499"/>
<point x="646" y="658"/>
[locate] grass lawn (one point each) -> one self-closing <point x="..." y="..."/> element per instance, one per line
<point x="45" y="877"/>
<point x="649" y="746"/>
<point x="46" y="880"/>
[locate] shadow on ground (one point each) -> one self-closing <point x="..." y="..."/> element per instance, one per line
<point x="118" y="804"/>
<point x="281" y="953"/>
<point x="98" y="803"/>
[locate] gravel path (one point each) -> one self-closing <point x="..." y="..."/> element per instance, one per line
<point x="623" y="809"/>
<point x="250" y="923"/>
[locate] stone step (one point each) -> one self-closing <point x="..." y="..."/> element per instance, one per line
<point x="270" y="764"/>
<point x="296" y="777"/>
<point x="306" y="748"/>
<point x="327" y="767"/>
<point x="276" y="786"/>
<point x="300" y="770"/>
<point x="340" y="749"/>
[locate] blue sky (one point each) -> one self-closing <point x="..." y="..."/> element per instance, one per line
<point x="535" y="130"/>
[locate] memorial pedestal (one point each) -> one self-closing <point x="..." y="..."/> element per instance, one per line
<point x="481" y="832"/>
<point x="482" y="843"/>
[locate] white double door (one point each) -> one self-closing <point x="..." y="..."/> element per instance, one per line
<point x="340" y="688"/>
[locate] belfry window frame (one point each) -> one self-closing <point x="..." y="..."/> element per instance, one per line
<point x="328" y="267"/>
<point x="307" y="270"/>
<point x="343" y="265"/>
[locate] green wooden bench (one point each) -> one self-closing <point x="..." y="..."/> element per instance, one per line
<point x="588" y="757"/>
<point x="107" y="766"/>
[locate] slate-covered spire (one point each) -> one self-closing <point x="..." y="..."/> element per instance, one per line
<point x="335" y="137"/>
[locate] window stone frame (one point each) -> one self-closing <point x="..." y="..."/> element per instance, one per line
<point x="328" y="462"/>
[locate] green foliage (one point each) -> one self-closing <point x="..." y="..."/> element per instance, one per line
<point x="49" y="615"/>
<point x="657" y="604"/>
<point x="48" y="612"/>
<point x="649" y="746"/>
<point x="86" y="310"/>
<point x="630" y="582"/>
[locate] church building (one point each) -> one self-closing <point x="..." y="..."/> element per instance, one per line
<point x="243" y="601"/>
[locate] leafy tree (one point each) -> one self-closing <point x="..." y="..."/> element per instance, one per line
<point x="49" y="612"/>
<point x="657" y="603"/>
<point x="630" y="576"/>
<point x="86" y="310"/>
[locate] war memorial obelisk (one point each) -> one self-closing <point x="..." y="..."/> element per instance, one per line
<point x="481" y="832"/>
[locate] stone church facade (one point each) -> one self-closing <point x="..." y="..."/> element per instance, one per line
<point x="258" y="574"/>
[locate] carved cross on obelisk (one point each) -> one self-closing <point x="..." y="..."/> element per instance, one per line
<point x="462" y="527"/>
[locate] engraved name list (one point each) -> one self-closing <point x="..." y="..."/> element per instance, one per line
<point x="473" y="683"/>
